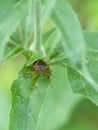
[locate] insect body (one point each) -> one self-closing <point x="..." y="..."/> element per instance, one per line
<point x="41" y="67"/>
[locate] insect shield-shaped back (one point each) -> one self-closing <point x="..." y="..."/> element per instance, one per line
<point x="40" y="66"/>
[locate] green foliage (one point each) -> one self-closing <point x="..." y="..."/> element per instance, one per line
<point x="77" y="79"/>
<point x="59" y="102"/>
<point x="8" y="24"/>
<point x="25" y="98"/>
<point x="71" y="52"/>
<point x="70" y="31"/>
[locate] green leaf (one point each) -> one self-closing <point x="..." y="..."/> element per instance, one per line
<point x="66" y="21"/>
<point x="12" y="52"/>
<point x="51" y="38"/>
<point x="27" y="26"/>
<point x="91" y="57"/>
<point x="5" y="7"/>
<point x="48" y="7"/>
<point x="91" y="45"/>
<point x="56" y="54"/>
<point x="60" y="102"/>
<point x="69" y="28"/>
<point x="27" y="100"/>
<point x="81" y="86"/>
<point x="33" y="58"/>
<point x="27" y="110"/>
<point x="9" y="23"/>
<point x="77" y="79"/>
<point x="91" y="40"/>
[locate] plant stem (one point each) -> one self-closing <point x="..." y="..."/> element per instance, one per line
<point x="38" y="46"/>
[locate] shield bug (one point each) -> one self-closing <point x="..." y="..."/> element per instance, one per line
<point x="40" y="67"/>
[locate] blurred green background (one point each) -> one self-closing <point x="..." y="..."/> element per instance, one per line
<point x="84" y="115"/>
